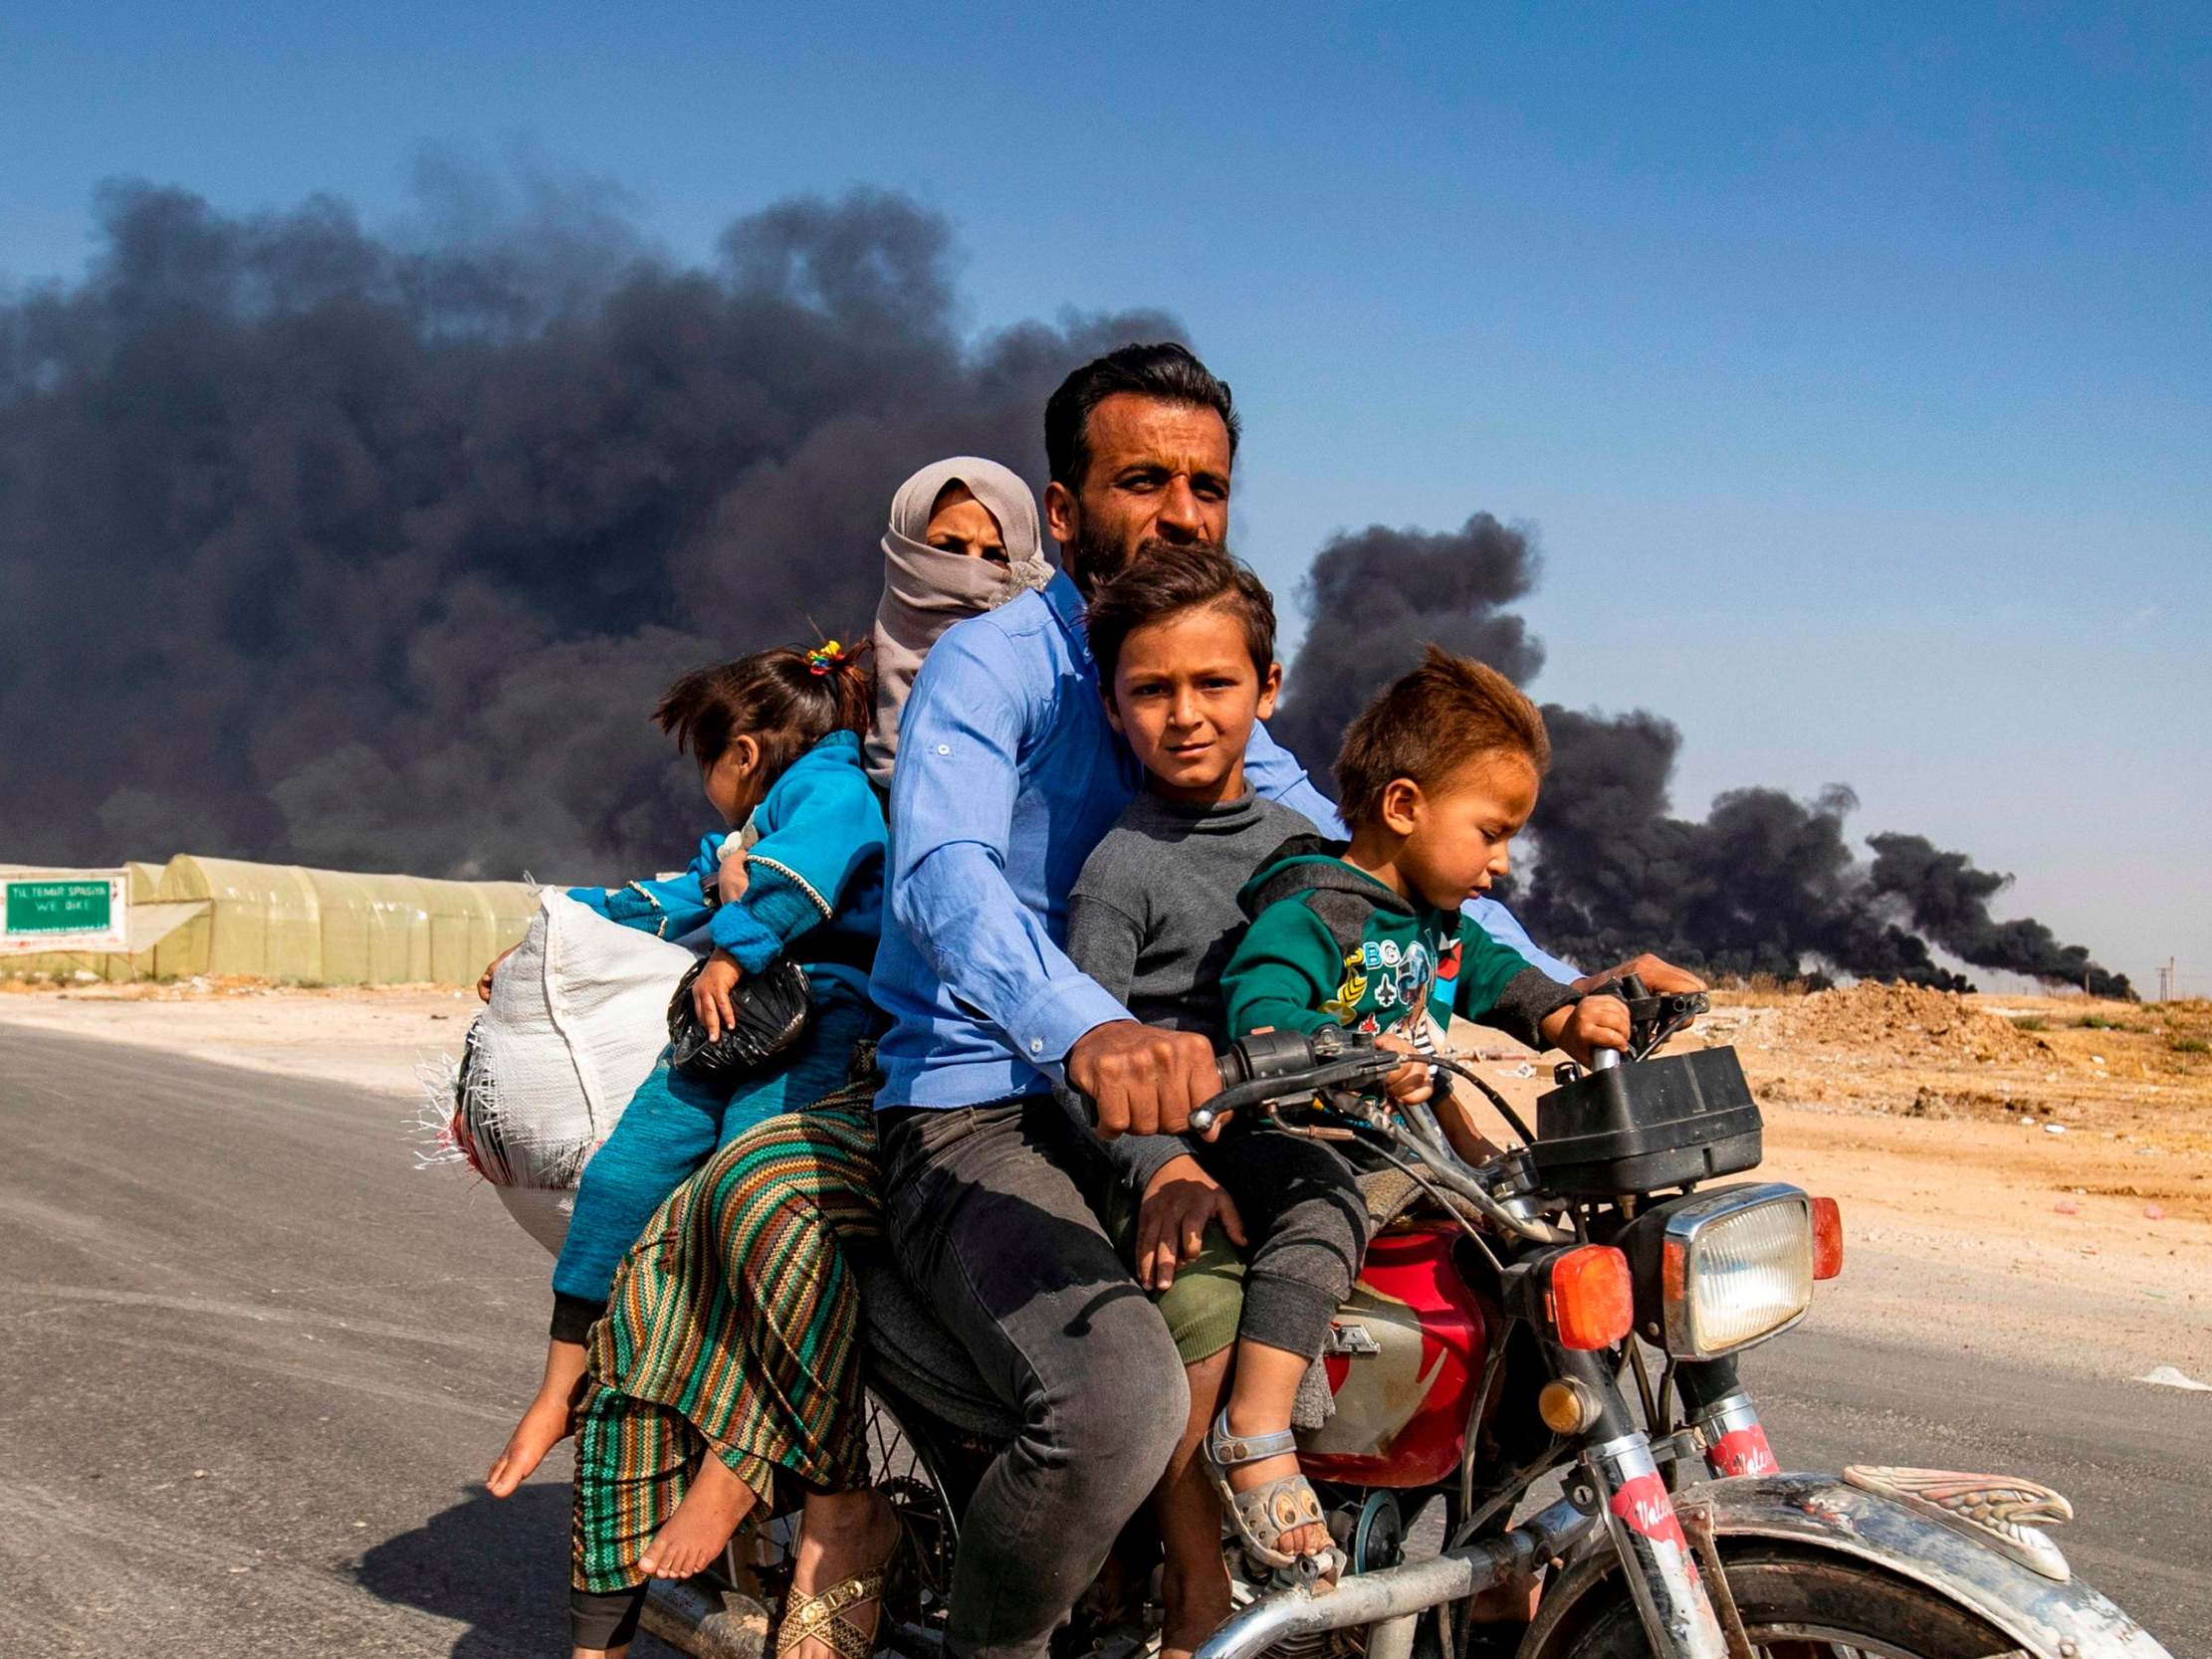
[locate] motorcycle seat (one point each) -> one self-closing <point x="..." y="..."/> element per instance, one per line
<point x="909" y="1349"/>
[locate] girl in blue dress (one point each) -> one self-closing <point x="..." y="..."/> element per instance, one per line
<point x="799" y="873"/>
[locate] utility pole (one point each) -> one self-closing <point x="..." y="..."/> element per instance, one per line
<point x="2165" y="979"/>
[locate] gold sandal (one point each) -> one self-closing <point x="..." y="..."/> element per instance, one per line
<point x="823" y="1617"/>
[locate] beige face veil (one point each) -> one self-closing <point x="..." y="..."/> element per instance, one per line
<point x="926" y="590"/>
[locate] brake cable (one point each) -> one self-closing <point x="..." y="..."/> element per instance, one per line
<point x="1643" y="1388"/>
<point x="1467" y="1189"/>
<point x="1443" y="1201"/>
<point x="1504" y="1108"/>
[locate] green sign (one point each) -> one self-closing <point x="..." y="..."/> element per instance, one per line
<point x="58" y="909"/>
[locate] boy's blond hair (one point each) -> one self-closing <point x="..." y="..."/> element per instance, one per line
<point x="1427" y="724"/>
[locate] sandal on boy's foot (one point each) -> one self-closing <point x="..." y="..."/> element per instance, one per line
<point x="823" y="1617"/>
<point x="1270" y="1510"/>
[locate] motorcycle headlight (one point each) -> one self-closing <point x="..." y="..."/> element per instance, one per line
<point x="1735" y="1267"/>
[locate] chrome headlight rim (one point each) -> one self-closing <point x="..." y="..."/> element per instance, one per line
<point x="1691" y="1222"/>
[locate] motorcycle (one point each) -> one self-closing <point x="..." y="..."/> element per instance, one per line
<point x="1502" y="1336"/>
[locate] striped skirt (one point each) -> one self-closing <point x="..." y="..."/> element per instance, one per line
<point x="734" y="1328"/>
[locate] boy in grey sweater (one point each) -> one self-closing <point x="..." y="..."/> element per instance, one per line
<point x="1185" y="644"/>
<point x="1153" y="918"/>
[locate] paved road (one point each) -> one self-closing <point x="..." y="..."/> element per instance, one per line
<point x="255" y="1365"/>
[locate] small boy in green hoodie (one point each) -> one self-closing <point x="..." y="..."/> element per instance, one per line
<point x="1436" y="778"/>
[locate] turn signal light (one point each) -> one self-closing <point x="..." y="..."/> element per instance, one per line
<point x="1828" y="1239"/>
<point x="1593" y="1300"/>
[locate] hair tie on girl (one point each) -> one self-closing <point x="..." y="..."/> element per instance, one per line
<point x="824" y="657"/>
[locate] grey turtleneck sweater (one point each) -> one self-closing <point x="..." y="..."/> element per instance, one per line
<point x="1154" y="919"/>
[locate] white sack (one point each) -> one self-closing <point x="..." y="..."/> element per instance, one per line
<point x="543" y="1214"/>
<point x="578" y="1016"/>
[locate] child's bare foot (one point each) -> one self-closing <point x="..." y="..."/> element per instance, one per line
<point x="844" y="1535"/>
<point x="551" y="1419"/>
<point x="544" y="1425"/>
<point x="701" y="1525"/>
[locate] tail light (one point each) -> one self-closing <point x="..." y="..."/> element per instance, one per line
<point x="1828" y="1239"/>
<point x="1591" y="1298"/>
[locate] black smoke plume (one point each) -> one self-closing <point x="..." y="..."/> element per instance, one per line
<point x="1764" y="884"/>
<point x="374" y="550"/>
<point x="1948" y="900"/>
<point x="324" y="546"/>
<point x="1373" y="597"/>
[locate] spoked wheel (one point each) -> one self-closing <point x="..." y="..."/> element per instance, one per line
<point x="921" y="1585"/>
<point x="1797" y="1607"/>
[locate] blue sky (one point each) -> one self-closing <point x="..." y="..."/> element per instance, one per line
<point x="1854" y="364"/>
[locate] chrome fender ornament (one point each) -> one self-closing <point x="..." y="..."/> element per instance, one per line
<point x="2004" y="1510"/>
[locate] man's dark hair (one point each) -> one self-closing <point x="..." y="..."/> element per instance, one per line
<point x="1427" y="725"/>
<point x="1166" y="579"/>
<point x="1167" y="371"/>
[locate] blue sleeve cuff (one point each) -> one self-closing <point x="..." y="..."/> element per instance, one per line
<point x="750" y="944"/>
<point x="770" y="918"/>
<point x="707" y="860"/>
<point x="1051" y="1022"/>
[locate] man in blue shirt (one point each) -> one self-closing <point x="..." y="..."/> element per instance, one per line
<point x="1008" y="776"/>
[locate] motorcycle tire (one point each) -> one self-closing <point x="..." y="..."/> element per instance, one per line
<point x="1807" y="1606"/>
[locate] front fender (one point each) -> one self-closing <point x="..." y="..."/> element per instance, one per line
<point x="2048" y="1619"/>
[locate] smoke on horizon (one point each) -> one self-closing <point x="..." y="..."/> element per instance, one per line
<point x="374" y="550"/>
<point x="1764" y="884"/>
<point x="321" y="546"/>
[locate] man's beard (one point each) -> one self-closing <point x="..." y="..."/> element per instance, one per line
<point x="1098" y="562"/>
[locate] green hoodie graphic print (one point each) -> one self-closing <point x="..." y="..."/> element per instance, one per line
<point x="1329" y="945"/>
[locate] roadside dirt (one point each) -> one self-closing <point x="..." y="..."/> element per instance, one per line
<point x="369" y="1036"/>
<point x="2024" y="1179"/>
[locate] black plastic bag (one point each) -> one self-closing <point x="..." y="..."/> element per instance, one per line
<point x="772" y="1008"/>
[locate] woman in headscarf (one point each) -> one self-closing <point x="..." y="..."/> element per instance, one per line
<point x="733" y="1324"/>
<point x="963" y="540"/>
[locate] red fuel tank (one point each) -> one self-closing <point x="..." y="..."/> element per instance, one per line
<point x="1407" y="1352"/>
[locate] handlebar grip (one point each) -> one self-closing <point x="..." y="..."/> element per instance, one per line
<point x="1235" y="1098"/>
<point x="1357" y="1064"/>
<point x="1271" y="1066"/>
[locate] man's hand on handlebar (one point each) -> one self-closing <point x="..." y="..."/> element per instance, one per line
<point x="1658" y="975"/>
<point x="1581" y="1028"/>
<point x="1144" y="1080"/>
<point x="1181" y="1202"/>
